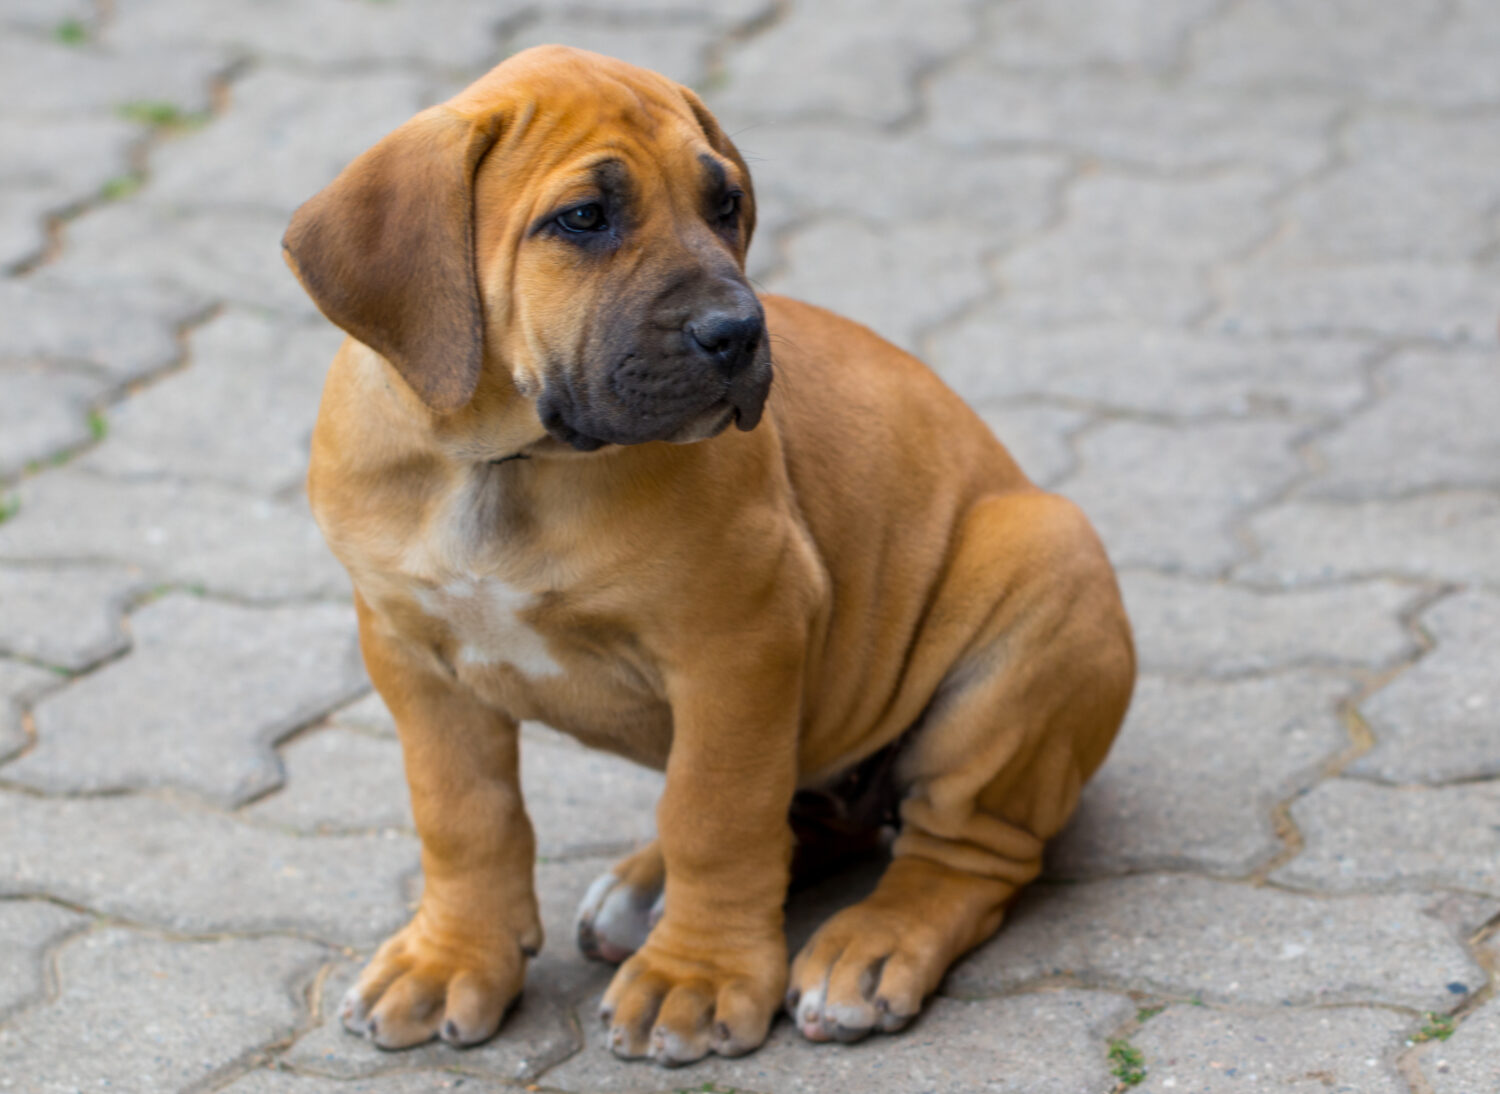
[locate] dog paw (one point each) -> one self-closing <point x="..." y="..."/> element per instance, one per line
<point x="864" y="971"/>
<point x="621" y="907"/>
<point x="418" y="987"/>
<point x="675" y="1007"/>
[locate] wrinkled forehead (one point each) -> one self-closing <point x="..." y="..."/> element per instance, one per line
<point x="568" y="118"/>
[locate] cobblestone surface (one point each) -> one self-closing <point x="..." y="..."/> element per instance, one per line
<point x="1227" y="273"/>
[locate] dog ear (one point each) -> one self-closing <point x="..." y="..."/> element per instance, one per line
<point x="720" y="143"/>
<point x="386" y="251"/>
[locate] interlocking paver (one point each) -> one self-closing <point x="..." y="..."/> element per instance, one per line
<point x="187" y="869"/>
<point x="1037" y="437"/>
<point x="20" y="685"/>
<point x="1149" y="369"/>
<point x="1131" y="123"/>
<point x="202" y="423"/>
<point x="1166" y="496"/>
<point x="68" y="616"/>
<point x="28" y="929"/>
<point x="1168" y="232"/>
<point x="1047" y="1042"/>
<point x="1362" y="836"/>
<point x="1192" y="626"/>
<point x="934" y="267"/>
<point x="1209" y="1051"/>
<point x="1432" y="427"/>
<point x="1225" y="272"/>
<point x="188" y="534"/>
<point x="1194" y="776"/>
<point x="1226" y="943"/>
<point x="44" y="413"/>
<point x="1438" y="720"/>
<point x="136" y="1012"/>
<point x="1063" y="35"/>
<point x="1445" y="536"/>
<point x="109" y="329"/>
<point x="206" y="692"/>
<point x="854" y="58"/>
<point x="306" y="128"/>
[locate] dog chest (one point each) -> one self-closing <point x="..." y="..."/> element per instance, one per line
<point x="487" y="618"/>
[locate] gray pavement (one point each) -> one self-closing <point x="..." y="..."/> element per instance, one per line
<point x="1225" y="271"/>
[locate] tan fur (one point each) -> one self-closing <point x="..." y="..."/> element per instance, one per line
<point x="752" y="613"/>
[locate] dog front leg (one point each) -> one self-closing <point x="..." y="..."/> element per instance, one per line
<point x="711" y="974"/>
<point x="455" y="968"/>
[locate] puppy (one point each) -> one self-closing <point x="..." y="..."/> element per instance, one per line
<point x="580" y="473"/>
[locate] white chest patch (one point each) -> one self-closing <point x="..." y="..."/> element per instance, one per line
<point x="484" y="615"/>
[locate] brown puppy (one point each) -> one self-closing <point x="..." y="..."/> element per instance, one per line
<point x="855" y="589"/>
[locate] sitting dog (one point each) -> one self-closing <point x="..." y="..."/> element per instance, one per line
<point x="852" y="601"/>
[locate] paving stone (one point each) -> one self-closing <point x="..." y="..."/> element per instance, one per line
<point x="1204" y="1051"/>
<point x="825" y="169"/>
<point x="1433" y="426"/>
<point x="1155" y="370"/>
<point x="198" y="534"/>
<point x="45" y="412"/>
<point x="679" y="50"/>
<point x="1408" y="187"/>
<point x="20" y="686"/>
<point x="581" y="801"/>
<point x="1037" y="437"/>
<point x="723" y="14"/>
<point x="51" y="78"/>
<point x="1424" y="52"/>
<point x="928" y="271"/>
<point x="1196" y="771"/>
<point x="305" y="128"/>
<point x="75" y="155"/>
<point x="1396" y="298"/>
<point x="206" y="692"/>
<point x="368" y="715"/>
<point x="399" y="1082"/>
<point x="46" y="15"/>
<point x="1050" y="35"/>
<point x="1041" y="1042"/>
<point x="1133" y="248"/>
<point x="1437" y="721"/>
<point x="23" y="221"/>
<point x="856" y="58"/>
<point x="538" y="1033"/>
<point x="338" y="780"/>
<point x="101" y="328"/>
<point x="206" y="422"/>
<point x="1467" y="1061"/>
<point x="1225" y="943"/>
<point x="1360" y="836"/>
<point x="1448" y="536"/>
<point x="446" y="33"/>
<point x="1166" y="496"/>
<point x="1194" y="627"/>
<point x="136" y="1012"/>
<point x="1132" y="123"/>
<point x="194" y="871"/>
<point x="28" y="929"/>
<point x="177" y="260"/>
<point x="68" y="616"/>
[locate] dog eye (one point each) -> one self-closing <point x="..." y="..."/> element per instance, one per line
<point x="730" y="205"/>
<point x="583" y="218"/>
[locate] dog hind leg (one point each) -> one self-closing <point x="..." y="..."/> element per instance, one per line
<point x="993" y="770"/>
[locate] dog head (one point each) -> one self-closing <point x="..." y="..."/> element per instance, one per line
<point x="570" y="229"/>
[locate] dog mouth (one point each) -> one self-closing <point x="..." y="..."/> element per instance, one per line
<point x="636" y="408"/>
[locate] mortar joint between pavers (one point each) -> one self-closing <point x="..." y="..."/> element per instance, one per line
<point x="51" y="978"/>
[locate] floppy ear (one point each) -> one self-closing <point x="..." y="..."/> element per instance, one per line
<point x="386" y="251"/>
<point x="720" y="143"/>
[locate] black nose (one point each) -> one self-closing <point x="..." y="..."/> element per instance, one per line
<point x="729" y="337"/>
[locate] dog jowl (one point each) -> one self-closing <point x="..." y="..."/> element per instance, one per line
<point x="579" y="472"/>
